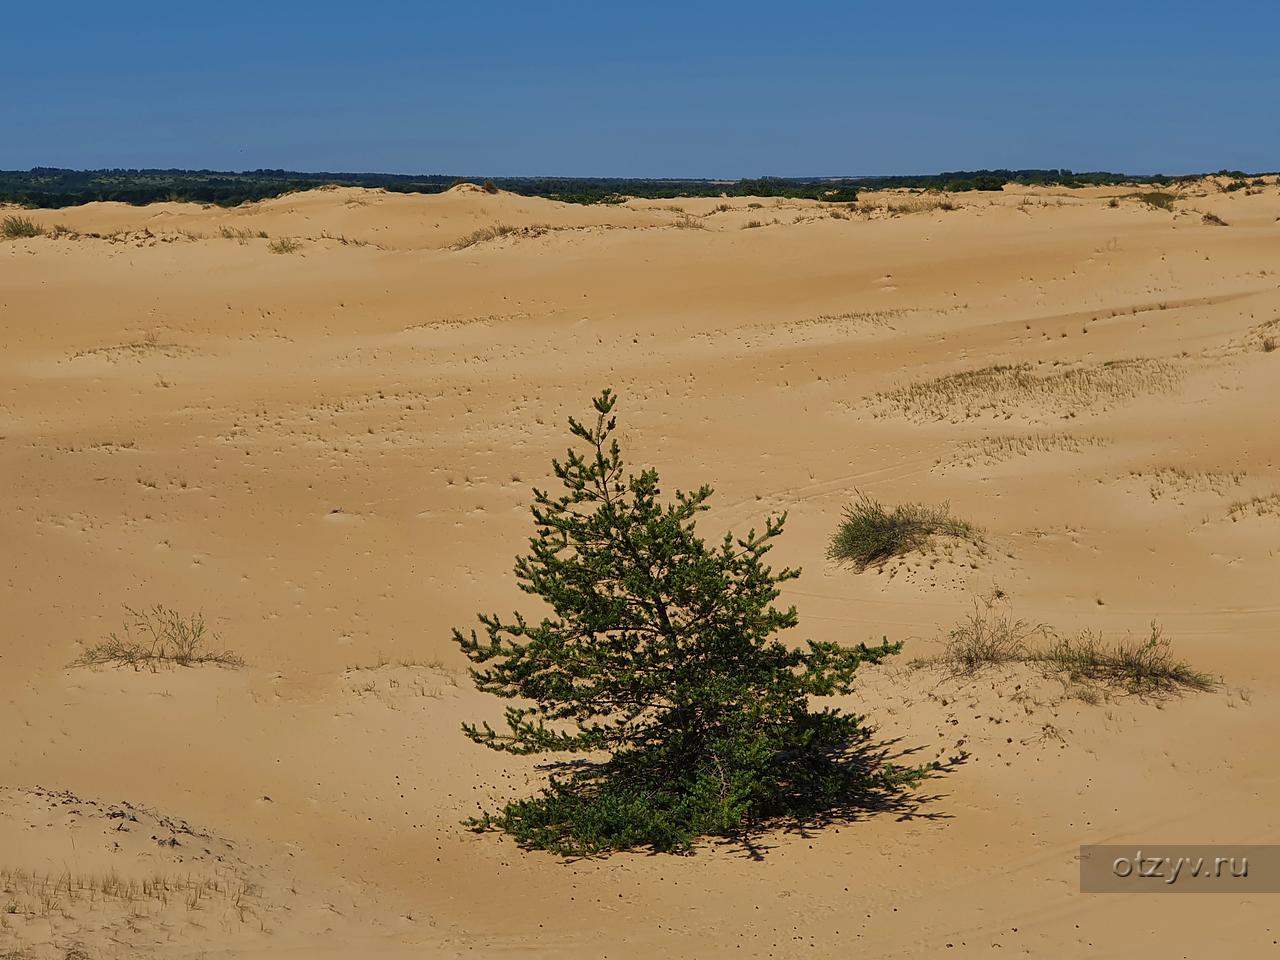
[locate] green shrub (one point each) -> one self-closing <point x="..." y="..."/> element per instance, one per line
<point x="1157" y="199"/>
<point x="15" y="228"/>
<point x="870" y="534"/>
<point x="659" y="668"/>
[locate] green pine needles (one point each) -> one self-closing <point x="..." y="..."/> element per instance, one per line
<point x="660" y="672"/>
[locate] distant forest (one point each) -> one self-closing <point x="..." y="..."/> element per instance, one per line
<point x="56" y="187"/>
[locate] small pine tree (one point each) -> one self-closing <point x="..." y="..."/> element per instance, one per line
<point x="660" y="662"/>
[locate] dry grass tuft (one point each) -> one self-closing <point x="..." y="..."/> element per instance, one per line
<point x="285" y="245"/>
<point x="997" y="449"/>
<point x="34" y="895"/>
<point x="1177" y="481"/>
<point x="156" y="637"/>
<point x="497" y="231"/>
<point x="1268" y="506"/>
<point x="241" y="233"/>
<point x="992" y="637"/>
<point x="688" y="222"/>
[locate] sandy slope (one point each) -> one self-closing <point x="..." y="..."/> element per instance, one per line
<point x="329" y="452"/>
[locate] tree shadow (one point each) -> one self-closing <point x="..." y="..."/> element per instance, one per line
<point x="874" y="797"/>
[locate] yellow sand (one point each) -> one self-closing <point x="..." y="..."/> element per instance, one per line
<point x="330" y="453"/>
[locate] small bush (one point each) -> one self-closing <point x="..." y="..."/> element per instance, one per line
<point x="1214" y="220"/>
<point x="871" y="534"/>
<point x="16" y="228"/>
<point x="159" y="636"/>
<point x="752" y="224"/>
<point x="1269" y="344"/>
<point x="489" y="187"/>
<point x="1158" y="199"/>
<point x="284" y="245"/>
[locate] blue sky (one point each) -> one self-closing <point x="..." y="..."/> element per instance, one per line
<point x="610" y="88"/>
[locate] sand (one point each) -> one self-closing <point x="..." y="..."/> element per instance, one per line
<point x="330" y="453"/>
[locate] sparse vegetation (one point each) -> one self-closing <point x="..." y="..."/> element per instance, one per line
<point x="1213" y="220"/>
<point x="242" y="233"/>
<point x="18" y="228"/>
<point x="659" y="667"/>
<point x="870" y="534"/>
<point x="285" y="245"/>
<point x="752" y="224"/>
<point x="32" y="894"/>
<point x="1146" y="668"/>
<point x="1157" y="198"/>
<point x="996" y="449"/>
<point x="1003" y="390"/>
<point x="1178" y="481"/>
<point x="156" y="637"/>
<point x="497" y="230"/>
<point x="1268" y="505"/>
<point x="992" y="637"/>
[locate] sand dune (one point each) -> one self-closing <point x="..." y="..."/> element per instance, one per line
<point x="329" y="451"/>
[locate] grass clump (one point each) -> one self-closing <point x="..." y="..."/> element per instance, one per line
<point x="242" y="233"/>
<point x="1003" y="390"/>
<point x="483" y="234"/>
<point x="988" y="637"/>
<point x="1256" y="506"/>
<point x="870" y="534"/>
<point x="1146" y="667"/>
<point x="1157" y="198"/>
<point x="285" y="245"/>
<point x="992" y="637"/>
<point x="159" y="636"/>
<point x="18" y="228"/>
<point x="687" y="222"/>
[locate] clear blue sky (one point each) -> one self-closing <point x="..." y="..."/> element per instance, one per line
<point x="704" y="89"/>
